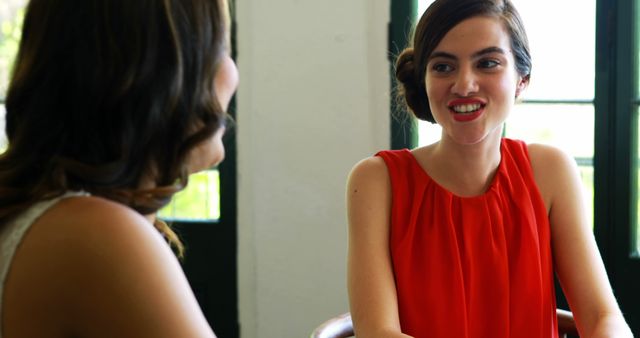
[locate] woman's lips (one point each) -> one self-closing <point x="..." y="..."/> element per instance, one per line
<point x="465" y="110"/>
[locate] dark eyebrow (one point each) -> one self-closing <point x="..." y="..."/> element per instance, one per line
<point x="489" y="50"/>
<point x="444" y="55"/>
<point x="475" y="55"/>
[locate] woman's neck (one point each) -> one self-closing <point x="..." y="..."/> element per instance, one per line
<point x="465" y="170"/>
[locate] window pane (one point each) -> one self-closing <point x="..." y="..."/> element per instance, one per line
<point x="428" y="133"/>
<point x="557" y="73"/>
<point x="586" y="174"/>
<point x="572" y="130"/>
<point x="566" y="126"/>
<point x="11" y="14"/>
<point x="422" y="6"/>
<point x="199" y="201"/>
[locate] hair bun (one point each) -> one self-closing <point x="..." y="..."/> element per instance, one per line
<point x="410" y="88"/>
<point x="405" y="68"/>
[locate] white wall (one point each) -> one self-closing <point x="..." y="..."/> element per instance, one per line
<point x="313" y="100"/>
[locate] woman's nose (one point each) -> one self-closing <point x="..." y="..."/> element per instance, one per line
<point x="465" y="82"/>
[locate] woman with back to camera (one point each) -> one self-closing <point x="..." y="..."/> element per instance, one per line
<point x="111" y="105"/>
<point x="461" y="238"/>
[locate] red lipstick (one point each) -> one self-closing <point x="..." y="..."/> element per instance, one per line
<point x="466" y="109"/>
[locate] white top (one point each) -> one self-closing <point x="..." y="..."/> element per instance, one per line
<point x="11" y="235"/>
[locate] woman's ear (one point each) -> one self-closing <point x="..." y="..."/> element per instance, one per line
<point x="523" y="82"/>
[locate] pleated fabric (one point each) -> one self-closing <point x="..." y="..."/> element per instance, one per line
<point x="471" y="267"/>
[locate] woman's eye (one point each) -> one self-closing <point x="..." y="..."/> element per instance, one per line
<point x="488" y="64"/>
<point x="441" y="68"/>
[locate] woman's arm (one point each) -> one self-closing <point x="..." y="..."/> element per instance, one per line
<point x="577" y="261"/>
<point x="372" y="292"/>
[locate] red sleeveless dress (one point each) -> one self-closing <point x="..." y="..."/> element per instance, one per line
<point x="470" y="267"/>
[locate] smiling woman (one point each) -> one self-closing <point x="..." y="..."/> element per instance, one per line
<point x="565" y="89"/>
<point x="561" y="87"/>
<point x="472" y="228"/>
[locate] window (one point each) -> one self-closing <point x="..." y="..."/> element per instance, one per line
<point x="11" y="14"/>
<point x="200" y="201"/>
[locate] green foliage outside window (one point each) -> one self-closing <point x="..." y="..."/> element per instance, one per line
<point x="200" y="200"/>
<point x="10" y="31"/>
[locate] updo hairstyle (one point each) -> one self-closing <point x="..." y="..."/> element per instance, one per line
<point x="439" y="19"/>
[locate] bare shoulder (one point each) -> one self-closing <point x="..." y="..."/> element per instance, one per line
<point x="370" y="167"/>
<point x="90" y="216"/>
<point x="110" y="271"/>
<point x="368" y="197"/>
<point x="96" y="228"/>
<point x="77" y="228"/>
<point x="368" y="178"/>
<point x="549" y="161"/>
<point x="545" y="153"/>
<point x="554" y="170"/>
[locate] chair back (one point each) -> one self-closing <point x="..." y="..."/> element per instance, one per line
<point x="342" y="327"/>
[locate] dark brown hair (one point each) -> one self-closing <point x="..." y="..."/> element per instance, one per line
<point x="110" y="97"/>
<point x="437" y="20"/>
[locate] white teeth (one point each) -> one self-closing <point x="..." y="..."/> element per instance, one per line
<point x="465" y="108"/>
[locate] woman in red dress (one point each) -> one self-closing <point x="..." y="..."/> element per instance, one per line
<point x="461" y="238"/>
